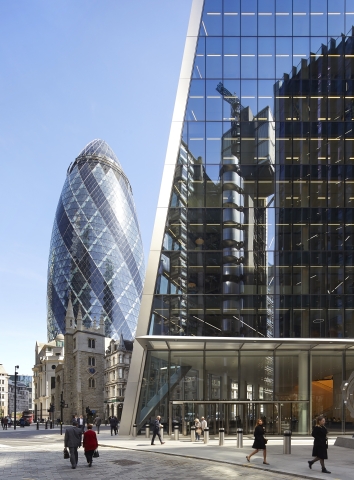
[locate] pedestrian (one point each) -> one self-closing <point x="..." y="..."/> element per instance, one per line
<point x="72" y="441"/>
<point x="58" y="422"/>
<point x="90" y="443"/>
<point x="98" y="422"/>
<point x="198" y="429"/>
<point x="259" y="442"/>
<point x="203" y="424"/>
<point x="156" y="430"/>
<point x="113" y="423"/>
<point x="320" y="444"/>
<point x="81" y="423"/>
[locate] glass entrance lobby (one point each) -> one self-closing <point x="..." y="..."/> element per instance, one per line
<point x="232" y="382"/>
<point x="231" y="415"/>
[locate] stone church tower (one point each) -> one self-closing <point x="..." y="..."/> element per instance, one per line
<point x="81" y="377"/>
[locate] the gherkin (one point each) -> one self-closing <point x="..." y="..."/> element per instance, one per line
<point x="96" y="251"/>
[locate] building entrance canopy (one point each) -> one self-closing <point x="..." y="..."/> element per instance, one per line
<point x="156" y="342"/>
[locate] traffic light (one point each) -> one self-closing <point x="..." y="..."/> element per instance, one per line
<point x="62" y="404"/>
<point x="51" y="408"/>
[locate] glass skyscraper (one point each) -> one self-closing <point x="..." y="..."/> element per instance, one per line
<point x="248" y="306"/>
<point x="96" y="251"/>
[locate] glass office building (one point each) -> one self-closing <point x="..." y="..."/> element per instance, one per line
<point x="96" y="251"/>
<point x="248" y="307"/>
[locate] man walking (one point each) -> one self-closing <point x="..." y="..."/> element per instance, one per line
<point x="156" y="431"/>
<point x="113" y="422"/>
<point x="98" y="422"/>
<point x="72" y="441"/>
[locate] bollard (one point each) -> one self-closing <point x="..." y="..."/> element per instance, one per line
<point x="193" y="434"/>
<point x="239" y="443"/>
<point x="37" y="425"/>
<point x="46" y="425"/>
<point x="206" y="435"/>
<point x="221" y="436"/>
<point x="61" y="428"/>
<point x="176" y="432"/>
<point x="161" y="432"/>
<point x="134" y="430"/>
<point x="147" y="431"/>
<point x="287" y="442"/>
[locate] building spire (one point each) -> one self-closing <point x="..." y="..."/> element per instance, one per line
<point x="121" y="342"/>
<point x="79" y="319"/>
<point x="69" y="317"/>
<point x="102" y="324"/>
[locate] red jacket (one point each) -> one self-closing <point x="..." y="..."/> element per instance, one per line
<point x="90" y="440"/>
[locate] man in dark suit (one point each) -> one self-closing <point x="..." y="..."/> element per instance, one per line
<point x="98" y="422"/>
<point x="72" y="441"/>
<point x="114" y="425"/>
<point x="156" y="431"/>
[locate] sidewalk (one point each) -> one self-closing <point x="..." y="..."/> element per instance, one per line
<point x="340" y="461"/>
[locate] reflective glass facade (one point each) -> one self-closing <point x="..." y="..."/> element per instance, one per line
<point x="96" y="250"/>
<point x="257" y="227"/>
<point x="259" y="235"/>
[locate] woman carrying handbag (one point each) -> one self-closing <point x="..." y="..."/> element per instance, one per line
<point x="259" y="441"/>
<point x="320" y="443"/>
<point x="90" y="444"/>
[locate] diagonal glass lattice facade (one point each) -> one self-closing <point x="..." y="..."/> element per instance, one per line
<point x="251" y="273"/>
<point x="96" y="250"/>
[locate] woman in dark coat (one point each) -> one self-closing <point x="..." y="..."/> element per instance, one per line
<point x="259" y="441"/>
<point x="320" y="445"/>
<point x="90" y="443"/>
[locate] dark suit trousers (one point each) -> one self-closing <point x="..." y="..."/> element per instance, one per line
<point x="154" y="436"/>
<point x="74" y="457"/>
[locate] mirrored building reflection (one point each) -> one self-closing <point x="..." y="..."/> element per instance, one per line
<point x="96" y="251"/>
<point x="253" y="284"/>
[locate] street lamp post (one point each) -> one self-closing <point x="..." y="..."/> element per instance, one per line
<point x="16" y="367"/>
<point x="61" y="412"/>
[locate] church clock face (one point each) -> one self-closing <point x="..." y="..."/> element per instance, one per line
<point x="92" y="370"/>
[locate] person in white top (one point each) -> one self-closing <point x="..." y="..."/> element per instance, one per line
<point x="203" y="424"/>
<point x="81" y="422"/>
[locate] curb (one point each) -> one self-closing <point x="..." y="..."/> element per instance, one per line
<point x="255" y="467"/>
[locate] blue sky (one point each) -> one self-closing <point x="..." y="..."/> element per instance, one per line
<point x="72" y="71"/>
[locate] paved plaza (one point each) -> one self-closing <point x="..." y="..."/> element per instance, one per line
<point x="28" y="454"/>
